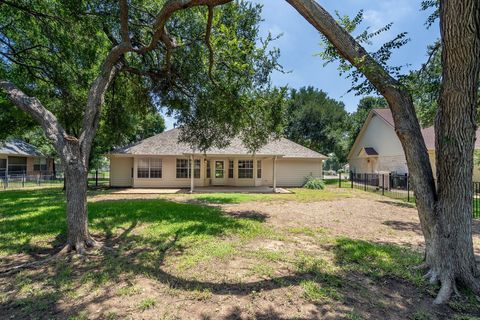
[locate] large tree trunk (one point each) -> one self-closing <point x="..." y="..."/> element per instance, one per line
<point x="445" y="216"/>
<point x="455" y="126"/>
<point x="78" y="236"/>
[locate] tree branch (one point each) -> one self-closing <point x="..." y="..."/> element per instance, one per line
<point x="208" y="43"/>
<point x="168" y="10"/>
<point x="406" y="123"/>
<point x="124" y="20"/>
<point x="33" y="107"/>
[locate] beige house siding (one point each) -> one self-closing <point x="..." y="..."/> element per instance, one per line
<point x="121" y="172"/>
<point x="290" y="172"/>
<point x="381" y="136"/>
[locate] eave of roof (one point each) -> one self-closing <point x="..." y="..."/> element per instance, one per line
<point x="167" y="143"/>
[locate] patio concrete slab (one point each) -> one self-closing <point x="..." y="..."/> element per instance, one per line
<point x="219" y="189"/>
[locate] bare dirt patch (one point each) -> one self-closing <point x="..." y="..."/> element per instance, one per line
<point x="286" y="264"/>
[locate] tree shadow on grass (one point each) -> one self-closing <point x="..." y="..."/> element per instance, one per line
<point x="343" y="291"/>
<point x="146" y="232"/>
<point x="404" y="226"/>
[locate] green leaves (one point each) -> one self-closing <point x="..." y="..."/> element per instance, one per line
<point x="317" y="121"/>
<point x="360" y="85"/>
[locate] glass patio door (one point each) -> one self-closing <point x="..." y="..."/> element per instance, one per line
<point x="219" y="173"/>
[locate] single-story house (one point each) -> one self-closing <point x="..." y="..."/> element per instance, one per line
<point x="377" y="148"/>
<point x="20" y="157"/>
<point x="162" y="161"/>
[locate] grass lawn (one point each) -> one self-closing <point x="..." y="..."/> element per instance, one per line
<point x="176" y="260"/>
<point x="297" y="194"/>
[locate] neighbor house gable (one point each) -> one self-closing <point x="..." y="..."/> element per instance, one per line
<point x="378" y="133"/>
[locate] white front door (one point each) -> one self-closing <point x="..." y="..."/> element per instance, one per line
<point x="218" y="173"/>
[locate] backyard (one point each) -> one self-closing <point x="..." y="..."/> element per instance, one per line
<point x="337" y="253"/>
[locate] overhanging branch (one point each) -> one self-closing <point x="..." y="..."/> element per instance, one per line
<point x="33" y="107"/>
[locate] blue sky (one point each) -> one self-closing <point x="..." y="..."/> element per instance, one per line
<point x="300" y="42"/>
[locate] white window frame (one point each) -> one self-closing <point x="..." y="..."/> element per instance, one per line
<point x="146" y="165"/>
<point x="245" y="171"/>
<point x="259" y="169"/>
<point x="196" y="169"/>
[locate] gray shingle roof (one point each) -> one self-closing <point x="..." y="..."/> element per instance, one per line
<point x="16" y="147"/>
<point x="166" y="143"/>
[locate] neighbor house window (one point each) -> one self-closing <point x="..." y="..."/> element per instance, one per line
<point x="17" y="165"/>
<point x="245" y="169"/>
<point x="230" y="169"/>
<point x="183" y="168"/>
<point x="40" y="164"/>
<point x="149" y="168"/>
<point x="259" y="169"/>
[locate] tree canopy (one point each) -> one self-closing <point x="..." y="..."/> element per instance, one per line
<point x="317" y="121"/>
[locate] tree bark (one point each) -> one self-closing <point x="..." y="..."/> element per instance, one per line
<point x="445" y="216"/>
<point x="455" y="130"/>
<point x="78" y="236"/>
<point x="74" y="151"/>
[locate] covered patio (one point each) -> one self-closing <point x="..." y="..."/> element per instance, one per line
<point x="210" y="189"/>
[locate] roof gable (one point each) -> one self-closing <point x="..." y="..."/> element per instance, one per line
<point x="385" y="114"/>
<point x="167" y="143"/>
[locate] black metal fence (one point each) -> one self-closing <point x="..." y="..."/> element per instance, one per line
<point x="396" y="186"/>
<point x="20" y="180"/>
<point x="392" y="185"/>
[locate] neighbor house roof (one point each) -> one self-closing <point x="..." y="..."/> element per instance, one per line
<point x="167" y="143"/>
<point x="427" y="133"/>
<point x="16" y="147"/>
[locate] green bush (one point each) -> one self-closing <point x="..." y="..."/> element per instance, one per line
<point x="314" y="183"/>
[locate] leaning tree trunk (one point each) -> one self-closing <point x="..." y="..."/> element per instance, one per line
<point x="445" y="215"/>
<point x="455" y="126"/>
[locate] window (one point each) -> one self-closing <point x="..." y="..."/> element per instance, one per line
<point x="183" y="168"/>
<point x="245" y="169"/>
<point x="3" y="167"/>
<point x="230" y="169"/>
<point x="155" y="168"/>
<point x="219" y="169"/>
<point x="259" y="169"/>
<point x="17" y="165"/>
<point x="149" y="168"/>
<point x="40" y="164"/>
<point x="208" y="169"/>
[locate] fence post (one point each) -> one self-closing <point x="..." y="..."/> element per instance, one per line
<point x="96" y="177"/>
<point x="383" y="184"/>
<point x="351" y="179"/>
<point x="23" y="180"/>
<point x="365" y="182"/>
<point x="408" y="187"/>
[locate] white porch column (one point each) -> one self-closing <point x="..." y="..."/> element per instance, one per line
<point x="192" y="166"/>
<point x="275" y="174"/>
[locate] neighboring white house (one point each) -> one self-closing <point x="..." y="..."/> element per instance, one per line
<point x="163" y="161"/>
<point x="377" y="148"/>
